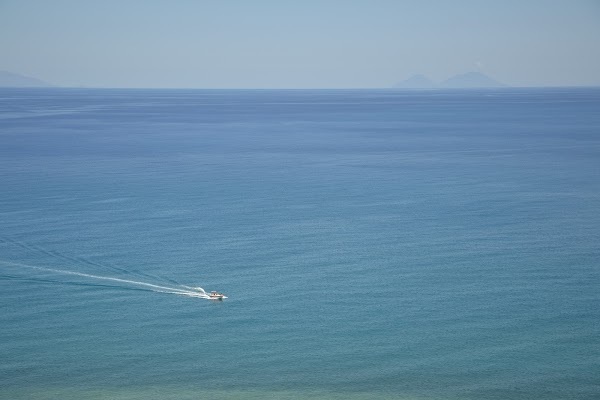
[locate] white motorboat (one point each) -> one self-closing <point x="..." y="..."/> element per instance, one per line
<point x="216" y="296"/>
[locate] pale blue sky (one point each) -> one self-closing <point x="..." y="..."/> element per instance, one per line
<point x="299" y="44"/>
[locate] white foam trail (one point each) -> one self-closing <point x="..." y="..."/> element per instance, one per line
<point x="74" y="261"/>
<point x="199" y="289"/>
<point x="198" y="292"/>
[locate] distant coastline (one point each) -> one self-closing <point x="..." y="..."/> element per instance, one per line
<point x="10" y="79"/>
<point x="469" y="80"/>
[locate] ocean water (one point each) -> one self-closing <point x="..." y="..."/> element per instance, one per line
<point x="374" y="244"/>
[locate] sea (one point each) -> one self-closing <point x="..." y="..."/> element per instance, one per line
<point x="372" y="244"/>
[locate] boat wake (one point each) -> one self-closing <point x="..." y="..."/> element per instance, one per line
<point x="75" y="261"/>
<point x="123" y="283"/>
<point x="170" y="286"/>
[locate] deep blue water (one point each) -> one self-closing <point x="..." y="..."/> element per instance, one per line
<point x="373" y="244"/>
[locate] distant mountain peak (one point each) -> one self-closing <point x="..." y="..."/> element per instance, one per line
<point x="9" y="79"/>
<point x="471" y="79"/>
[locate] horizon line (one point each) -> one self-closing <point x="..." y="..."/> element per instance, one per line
<point x="300" y="88"/>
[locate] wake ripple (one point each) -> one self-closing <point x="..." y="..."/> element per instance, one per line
<point x="74" y="261"/>
<point x="181" y="290"/>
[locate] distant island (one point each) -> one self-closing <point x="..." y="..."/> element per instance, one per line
<point x="466" y="80"/>
<point x="9" y="79"/>
<point x="417" y="81"/>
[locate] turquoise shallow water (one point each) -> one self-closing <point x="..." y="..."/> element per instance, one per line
<point x="373" y="244"/>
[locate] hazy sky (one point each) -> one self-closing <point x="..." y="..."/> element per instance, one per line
<point x="300" y="43"/>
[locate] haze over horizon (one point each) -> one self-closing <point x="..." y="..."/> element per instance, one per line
<point x="309" y="44"/>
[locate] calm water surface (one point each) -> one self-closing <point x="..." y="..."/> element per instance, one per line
<point x="373" y="244"/>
